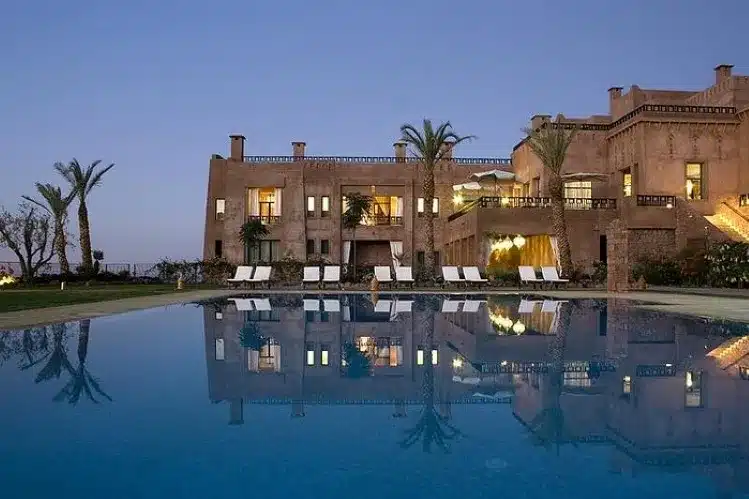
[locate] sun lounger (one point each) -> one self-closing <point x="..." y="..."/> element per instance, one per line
<point x="383" y="306"/>
<point x="473" y="276"/>
<point x="332" y="305"/>
<point x="471" y="305"/>
<point x="451" y="276"/>
<point x="528" y="275"/>
<point x="242" y="304"/>
<point x="550" y="306"/>
<point x="331" y="275"/>
<point x="551" y="276"/>
<point x="242" y="275"/>
<point x="311" y="305"/>
<point x="404" y="275"/>
<point x="382" y="274"/>
<point x="262" y="304"/>
<point x="450" y="306"/>
<point x="261" y="275"/>
<point x="526" y="306"/>
<point x="311" y="276"/>
<point x="403" y="306"/>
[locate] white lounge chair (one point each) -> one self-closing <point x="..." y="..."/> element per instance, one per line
<point x="332" y="305"/>
<point x="311" y="305"/>
<point x="331" y="275"/>
<point x="528" y="275"/>
<point x="551" y="276"/>
<point x="242" y="304"/>
<point x="527" y="306"/>
<point x="473" y="276"/>
<point x="262" y="304"/>
<point x="450" y="306"/>
<point x="242" y="275"/>
<point x="404" y="275"/>
<point x="383" y="306"/>
<point x="261" y="275"/>
<point x="550" y="306"/>
<point x="451" y="276"/>
<point x="382" y="274"/>
<point x="311" y="276"/>
<point x="403" y="306"/>
<point x="471" y="306"/>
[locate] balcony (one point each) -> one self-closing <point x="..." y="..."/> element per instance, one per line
<point x="662" y="201"/>
<point x="545" y="202"/>
<point x="266" y="219"/>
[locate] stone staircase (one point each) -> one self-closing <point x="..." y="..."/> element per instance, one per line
<point x="730" y="222"/>
<point x="730" y="351"/>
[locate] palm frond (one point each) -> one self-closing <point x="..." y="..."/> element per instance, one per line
<point x="550" y="144"/>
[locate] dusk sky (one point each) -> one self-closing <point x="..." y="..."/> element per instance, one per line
<point x="157" y="87"/>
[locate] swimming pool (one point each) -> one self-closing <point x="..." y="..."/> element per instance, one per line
<point x="354" y="395"/>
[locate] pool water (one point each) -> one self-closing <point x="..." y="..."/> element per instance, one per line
<point x="377" y="396"/>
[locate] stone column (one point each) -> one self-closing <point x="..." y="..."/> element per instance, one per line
<point x="617" y="250"/>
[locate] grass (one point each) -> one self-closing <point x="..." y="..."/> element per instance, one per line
<point x="12" y="300"/>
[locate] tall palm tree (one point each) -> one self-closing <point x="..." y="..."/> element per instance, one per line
<point x="58" y="360"/>
<point x="357" y="207"/>
<point x="430" y="146"/>
<point x="81" y="381"/>
<point x="83" y="180"/>
<point x="56" y="204"/>
<point x="550" y="143"/>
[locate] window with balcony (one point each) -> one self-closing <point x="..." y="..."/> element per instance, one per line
<point x="268" y="358"/>
<point x="627" y="182"/>
<point x="387" y="210"/>
<point x="420" y="207"/>
<point x="220" y="208"/>
<point x="694" y="181"/>
<point x="264" y="204"/>
<point x="310" y="206"/>
<point x="324" y="247"/>
<point x="265" y="251"/>
<point x="386" y="351"/>
<point x="325" y="206"/>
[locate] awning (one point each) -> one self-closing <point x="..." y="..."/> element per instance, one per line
<point x="581" y="176"/>
<point x="469" y="186"/>
<point x="495" y="175"/>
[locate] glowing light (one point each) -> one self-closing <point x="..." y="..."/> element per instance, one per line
<point x="518" y="327"/>
<point x="457" y="362"/>
<point x="7" y="279"/>
<point x="457" y="199"/>
<point x="689" y="381"/>
<point x="435" y="357"/>
<point x="496" y="246"/>
<point x="420" y="357"/>
<point x="503" y="363"/>
<point x="519" y="241"/>
<point x="669" y="205"/>
<point x="505" y="201"/>
<point x="690" y="188"/>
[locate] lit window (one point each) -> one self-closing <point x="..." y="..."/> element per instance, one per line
<point x="324" y="355"/>
<point x="310" y="354"/>
<point x="310" y="205"/>
<point x="578" y="190"/>
<point x="220" y="209"/>
<point x="693" y="388"/>
<point x="420" y="357"/>
<point x="435" y="357"/>
<point x="219" y="316"/>
<point x="694" y="184"/>
<point x="435" y="206"/>
<point x="626" y="385"/>
<point x="420" y="205"/>
<point x="627" y="181"/>
<point x="219" y="349"/>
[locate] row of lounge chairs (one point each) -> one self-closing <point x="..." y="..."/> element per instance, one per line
<point x="403" y="275"/>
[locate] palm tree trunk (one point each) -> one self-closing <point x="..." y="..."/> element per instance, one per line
<point x="60" y="247"/>
<point x="353" y="254"/>
<point x="559" y="223"/>
<point x="428" y="202"/>
<point x="85" y="237"/>
<point x="84" y="330"/>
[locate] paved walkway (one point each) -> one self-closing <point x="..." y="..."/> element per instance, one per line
<point x="717" y="306"/>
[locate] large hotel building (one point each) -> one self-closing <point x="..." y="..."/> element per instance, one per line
<point x="669" y="165"/>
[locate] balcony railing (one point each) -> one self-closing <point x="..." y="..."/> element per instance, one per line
<point x="266" y="219"/>
<point x="545" y="202"/>
<point x="664" y="201"/>
<point x="372" y="220"/>
<point x="743" y="200"/>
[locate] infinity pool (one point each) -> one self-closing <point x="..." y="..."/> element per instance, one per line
<point x="386" y="396"/>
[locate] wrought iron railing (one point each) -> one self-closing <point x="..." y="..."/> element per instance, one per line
<point x="663" y="201"/>
<point x="545" y="202"/>
<point x="372" y="160"/>
<point x="743" y="200"/>
<point x="266" y="219"/>
<point x="386" y="220"/>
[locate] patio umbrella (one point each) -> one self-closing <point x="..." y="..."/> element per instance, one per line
<point x="496" y="175"/>
<point x="582" y="176"/>
<point x="469" y="186"/>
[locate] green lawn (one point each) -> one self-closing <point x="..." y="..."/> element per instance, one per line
<point x="44" y="296"/>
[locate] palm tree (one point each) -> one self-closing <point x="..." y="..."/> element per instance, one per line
<point x="81" y="380"/>
<point x="430" y="146"/>
<point x="56" y="205"/>
<point x="550" y="143"/>
<point x="83" y="181"/>
<point x="251" y="233"/>
<point x="58" y="360"/>
<point x="357" y="207"/>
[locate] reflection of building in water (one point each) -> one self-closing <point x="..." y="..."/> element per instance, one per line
<point x="329" y="350"/>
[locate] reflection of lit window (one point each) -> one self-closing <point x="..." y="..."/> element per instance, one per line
<point x="420" y="357"/>
<point x="386" y="351"/>
<point x="310" y="354"/>
<point x="268" y="358"/>
<point x="219" y="316"/>
<point x="435" y="357"/>
<point x="694" y="184"/>
<point x="324" y="355"/>
<point x="626" y="385"/>
<point x="577" y="378"/>
<point x="219" y="349"/>
<point x="693" y="388"/>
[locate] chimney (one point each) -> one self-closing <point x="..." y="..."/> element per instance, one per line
<point x="447" y="150"/>
<point x="400" y="152"/>
<point x="298" y="149"/>
<point x="538" y="119"/>
<point x="722" y="73"/>
<point x="236" y="147"/>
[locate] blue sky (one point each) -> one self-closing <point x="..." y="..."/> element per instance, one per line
<point x="157" y="87"/>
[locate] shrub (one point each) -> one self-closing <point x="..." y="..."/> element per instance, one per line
<point x="662" y="272"/>
<point x="600" y="273"/>
<point x="289" y="269"/>
<point x="502" y="276"/>
<point x="728" y="265"/>
<point x="216" y="270"/>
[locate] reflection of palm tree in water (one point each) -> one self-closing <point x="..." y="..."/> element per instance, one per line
<point x="432" y="427"/>
<point x="58" y="359"/>
<point x="548" y="426"/>
<point x="81" y="381"/>
<point x="35" y="347"/>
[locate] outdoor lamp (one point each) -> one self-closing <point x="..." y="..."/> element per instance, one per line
<point x="519" y="241"/>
